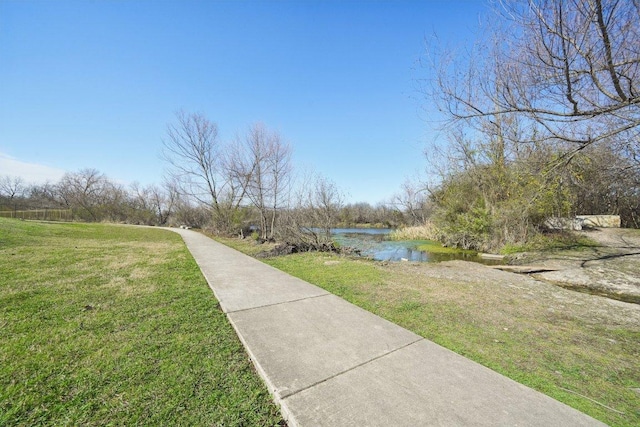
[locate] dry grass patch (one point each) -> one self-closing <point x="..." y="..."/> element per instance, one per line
<point x="427" y="231"/>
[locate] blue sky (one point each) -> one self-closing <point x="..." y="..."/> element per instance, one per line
<point x="94" y="83"/>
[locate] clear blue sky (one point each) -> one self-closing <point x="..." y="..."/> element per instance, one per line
<point x="94" y="83"/>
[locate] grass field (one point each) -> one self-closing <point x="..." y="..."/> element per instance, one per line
<point x="115" y="325"/>
<point x="576" y="348"/>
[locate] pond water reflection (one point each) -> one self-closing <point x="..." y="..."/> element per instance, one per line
<point x="374" y="243"/>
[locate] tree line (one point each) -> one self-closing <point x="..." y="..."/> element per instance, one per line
<point x="542" y="118"/>
<point x="245" y="186"/>
<point x="94" y="197"/>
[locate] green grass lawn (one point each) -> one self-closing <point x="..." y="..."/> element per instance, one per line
<point x="115" y="325"/>
<point x="571" y="352"/>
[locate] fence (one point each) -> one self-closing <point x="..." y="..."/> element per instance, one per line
<point x="39" y="214"/>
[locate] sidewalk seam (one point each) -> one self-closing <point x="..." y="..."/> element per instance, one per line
<point x="280" y="303"/>
<point x="352" y="368"/>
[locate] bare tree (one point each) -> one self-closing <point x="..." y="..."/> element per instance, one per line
<point x="569" y="70"/>
<point x="366" y="213"/>
<point x="44" y="196"/>
<point x="197" y="166"/>
<point x="91" y="195"/>
<point x="267" y="167"/>
<point x="140" y="210"/>
<point x="152" y="204"/>
<point x="552" y="79"/>
<point x="191" y="149"/>
<point x="315" y="209"/>
<point x="164" y="201"/>
<point x="412" y="201"/>
<point x="605" y="183"/>
<point x="325" y="199"/>
<point x="12" y="187"/>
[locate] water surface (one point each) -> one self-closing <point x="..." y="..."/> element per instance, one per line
<point x="374" y="243"/>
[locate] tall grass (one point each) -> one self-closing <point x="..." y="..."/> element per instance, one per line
<point x="427" y="231"/>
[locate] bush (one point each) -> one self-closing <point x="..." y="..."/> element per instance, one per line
<point x="486" y="207"/>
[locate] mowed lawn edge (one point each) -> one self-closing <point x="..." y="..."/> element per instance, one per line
<point x="115" y="325"/>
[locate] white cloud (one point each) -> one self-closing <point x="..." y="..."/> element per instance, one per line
<point x="30" y="172"/>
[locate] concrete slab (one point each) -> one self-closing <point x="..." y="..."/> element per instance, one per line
<point x="425" y="384"/>
<point x="241" y="282"/>
<point x="302" y="343"/>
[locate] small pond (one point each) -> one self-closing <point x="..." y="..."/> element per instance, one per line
<point x="374" y="243"/>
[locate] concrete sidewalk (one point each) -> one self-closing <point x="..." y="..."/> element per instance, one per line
<point x="330" y="363"/>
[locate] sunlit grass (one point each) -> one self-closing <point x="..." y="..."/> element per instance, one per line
<point x="115" y="325"/>
<point x="540" y="341"/>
